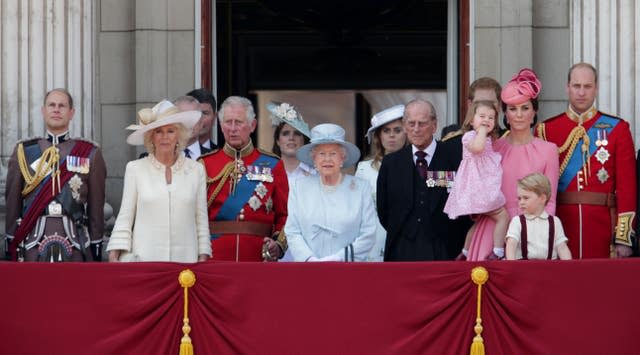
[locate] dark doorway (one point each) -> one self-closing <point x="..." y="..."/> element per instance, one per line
<point x="330" y="45"/>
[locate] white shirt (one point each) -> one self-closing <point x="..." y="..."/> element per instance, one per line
<point x="194" y="151"/>
<point x="301" y="170"/>
<point x="430" y="150"/>
<point x="537" y="235"/>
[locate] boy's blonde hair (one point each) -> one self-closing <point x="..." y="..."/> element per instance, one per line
<point x="536" y="183"/>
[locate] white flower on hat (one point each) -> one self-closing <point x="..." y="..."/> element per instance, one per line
<point x="284" y="111"/>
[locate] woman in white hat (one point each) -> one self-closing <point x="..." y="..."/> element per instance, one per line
<point x="385" y="136"/>
<point x="291" y="132"/>
<point x="331" y="215"/>
<point x="163" y="215"/>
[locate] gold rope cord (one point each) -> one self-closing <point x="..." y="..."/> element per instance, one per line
<point x="479" y="276"/>
<point x="222" y="177"/>
<point x="570" y="144"/>
<point x="186" y="279"/>
<point x="48" y="161"/>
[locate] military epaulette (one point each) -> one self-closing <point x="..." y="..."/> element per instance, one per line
<point x="209" y="153"/>
<point x="539" y="131"/>
<point x="29" y="141"/>
<point x="262" y="151"/>
<point x="612" y="116"/>
<point x="452" y="135"/>
<point x="95" y="144"/>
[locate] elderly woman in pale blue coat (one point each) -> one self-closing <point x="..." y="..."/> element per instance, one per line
<point x="331" y="215"/>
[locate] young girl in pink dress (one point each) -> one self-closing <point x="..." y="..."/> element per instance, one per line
<point x="476" y="189"/>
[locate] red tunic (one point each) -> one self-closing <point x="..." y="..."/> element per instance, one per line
<point x="590" y="227"/>
<point x="271" y="209"/>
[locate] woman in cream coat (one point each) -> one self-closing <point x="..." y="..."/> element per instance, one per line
<point x="385" y="136"/>
<point x="163" y="216"/>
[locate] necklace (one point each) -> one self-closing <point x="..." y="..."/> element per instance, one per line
<point x="330" y="188"/>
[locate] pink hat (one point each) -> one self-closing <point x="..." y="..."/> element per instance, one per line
<point x="522" y="87"/>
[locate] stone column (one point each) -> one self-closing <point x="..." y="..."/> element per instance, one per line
<point x="45" y="44"/>
<point x="606" y="33"/>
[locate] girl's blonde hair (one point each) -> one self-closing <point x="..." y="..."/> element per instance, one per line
<point x="536" y="183"/>
<point x="467" y="126"/>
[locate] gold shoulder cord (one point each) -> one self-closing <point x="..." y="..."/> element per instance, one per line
<point x="48" y="161"/>
<point x="570" y="144"/>
<point x="541" y="132"/>
<point x="222" y="178"/>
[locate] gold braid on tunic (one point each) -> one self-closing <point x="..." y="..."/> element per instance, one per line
<point x="49" y="161"/>
<point x="233" y="169"/>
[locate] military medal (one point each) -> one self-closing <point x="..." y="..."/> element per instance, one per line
<point x="431" y="181"/>
<point x="603" y="175"/>
<point x="259" y="173"/>
<point x="78" y="164"/>
<point x="598" y="139"/>
<point x="602" y="155"/>
<point x="604" y="142"/>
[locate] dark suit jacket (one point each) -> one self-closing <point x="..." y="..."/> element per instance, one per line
<point x="396" y="198"/>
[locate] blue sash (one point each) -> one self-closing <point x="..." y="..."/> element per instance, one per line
<point x="575" y="162"/>
<point x="31" y="154"/>
<point x="244" y="191"/>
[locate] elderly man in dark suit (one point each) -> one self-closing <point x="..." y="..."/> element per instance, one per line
<point x="412" y="190"/>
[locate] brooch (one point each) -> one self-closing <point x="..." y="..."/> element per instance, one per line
<point x="75" y="183"/>
<point x="261" y="190"/>
<point x="603" y="175"/>
<point x="254" y="203"/>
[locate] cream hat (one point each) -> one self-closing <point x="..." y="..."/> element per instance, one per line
<point x="162" y="114"/>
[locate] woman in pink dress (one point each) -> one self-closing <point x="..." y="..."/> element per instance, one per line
<point x="476" y="189"/>
<point x="522" y="154"/>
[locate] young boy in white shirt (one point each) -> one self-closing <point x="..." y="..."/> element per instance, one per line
<point x="535" y="234"/>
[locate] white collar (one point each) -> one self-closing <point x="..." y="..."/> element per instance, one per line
<point x="543" y="215"/>
<point x="194" y="150"/>
<point x="430" y="149"/>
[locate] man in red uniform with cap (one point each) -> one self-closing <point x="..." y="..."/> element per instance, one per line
<point x="597" y="185"/>
<point x="247" y="191"/>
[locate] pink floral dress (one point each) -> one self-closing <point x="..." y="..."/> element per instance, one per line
<point x="476" y="188"/>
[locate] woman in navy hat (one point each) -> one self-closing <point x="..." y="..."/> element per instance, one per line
<point x="385" y="136"/>
<point x="331" y="215"/>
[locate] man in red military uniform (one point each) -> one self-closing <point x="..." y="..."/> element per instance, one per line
<point x="247" y="191"/>
<point x="597" y="187"/>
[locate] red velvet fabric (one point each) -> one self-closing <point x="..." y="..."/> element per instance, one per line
<point x="529" y="307"/>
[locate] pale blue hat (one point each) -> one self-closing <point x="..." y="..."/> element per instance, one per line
<point x="283" y="112"/>
<point x="328" y="133"/>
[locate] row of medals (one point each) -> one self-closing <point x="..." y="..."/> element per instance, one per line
<point x="602" y="154"/>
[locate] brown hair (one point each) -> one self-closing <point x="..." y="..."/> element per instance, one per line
<point x="536" y="183"/>
<point x="582" y="65"/>
<point x="484" y="83"/>
<point x="276" y="135"/>
<point x="466" y="126"/>
<point x="62" y="91"/>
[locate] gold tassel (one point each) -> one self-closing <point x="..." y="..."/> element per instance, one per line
<point x="479" y="276"/>
<point x="187" y="279"/>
